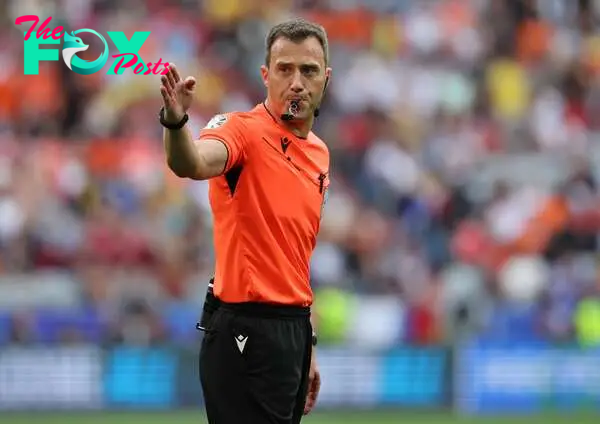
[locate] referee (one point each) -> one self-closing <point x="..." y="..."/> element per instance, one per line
<point x="268" y="177"/>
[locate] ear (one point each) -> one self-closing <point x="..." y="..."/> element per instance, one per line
<point x="328" y="73"/>
<point x="264" y="72"/>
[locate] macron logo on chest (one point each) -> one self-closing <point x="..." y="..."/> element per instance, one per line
<point x="285" y="142"/>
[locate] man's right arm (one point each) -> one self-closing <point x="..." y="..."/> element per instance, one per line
<point x="220" y="144"/>
<point x="195" y="159"/>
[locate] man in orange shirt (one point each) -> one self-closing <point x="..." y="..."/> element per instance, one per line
<point x="268" y="179"/>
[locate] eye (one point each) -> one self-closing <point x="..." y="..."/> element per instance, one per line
<point x="310" y="71"/>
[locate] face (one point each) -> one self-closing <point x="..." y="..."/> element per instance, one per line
<point x="296" y="71"/>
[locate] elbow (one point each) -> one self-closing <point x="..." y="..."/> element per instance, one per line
<point x="182" y="171"/>
<point x="179" y="170"/>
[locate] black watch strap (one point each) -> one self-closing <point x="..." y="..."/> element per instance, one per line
<point x="171" y="126"/>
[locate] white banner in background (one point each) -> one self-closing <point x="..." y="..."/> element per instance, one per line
<point x="349" y="378"/>
<point x="52" y="378"/>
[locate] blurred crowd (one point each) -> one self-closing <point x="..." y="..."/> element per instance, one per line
<point x="464" y="151"/>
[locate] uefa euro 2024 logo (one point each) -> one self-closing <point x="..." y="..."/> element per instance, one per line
<point x="128" y="48"/>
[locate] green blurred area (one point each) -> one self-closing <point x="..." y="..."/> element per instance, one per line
<point x="367" y="417"/>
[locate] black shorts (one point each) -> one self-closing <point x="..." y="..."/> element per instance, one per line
<point x="254" y="363"/>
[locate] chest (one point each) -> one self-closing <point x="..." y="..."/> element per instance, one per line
<point x="293" y="174"/>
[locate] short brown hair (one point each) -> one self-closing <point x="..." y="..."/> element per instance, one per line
<point x="297" y="30"/>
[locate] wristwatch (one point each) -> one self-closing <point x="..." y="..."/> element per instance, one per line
<point x="314" y="338"/>
<point x="170" y="126"/>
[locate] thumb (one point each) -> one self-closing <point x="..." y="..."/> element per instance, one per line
<point x="190" y="83"/>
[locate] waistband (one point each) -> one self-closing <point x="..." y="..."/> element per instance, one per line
<point x="257" y="309"/>
<point x="266" y="310"/>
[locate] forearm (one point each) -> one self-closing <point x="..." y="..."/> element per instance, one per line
<point x="182" y="156"/>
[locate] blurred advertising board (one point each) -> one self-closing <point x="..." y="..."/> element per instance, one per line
<point x="140" y="377"/>
<point x="189" y="391"/>
<point x="408" y="377"/>
<point x="51" y="378"/>
<point x="527" y="379"/>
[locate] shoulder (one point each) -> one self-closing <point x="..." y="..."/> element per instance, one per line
<point x="223" y="120"/>
<point x="224" y="126"/>
<point x="319" y="143"/>
<point x="319" y="151"/>
<point x="231" y="120"/>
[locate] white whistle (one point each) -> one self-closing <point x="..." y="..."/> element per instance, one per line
<point x="294" y="107"/>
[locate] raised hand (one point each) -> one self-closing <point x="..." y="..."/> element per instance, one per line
<point x="177" y="94"/>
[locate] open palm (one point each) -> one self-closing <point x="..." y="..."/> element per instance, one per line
<point x="177" y="94"/>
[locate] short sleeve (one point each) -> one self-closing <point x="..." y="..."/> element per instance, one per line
<point x="228" y="129"/>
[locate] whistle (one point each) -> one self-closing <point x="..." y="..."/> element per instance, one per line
<point x="292" y="111"/>
<point x="294" y="107"/>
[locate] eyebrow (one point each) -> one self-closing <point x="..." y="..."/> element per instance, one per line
<point x="312" y="65"/>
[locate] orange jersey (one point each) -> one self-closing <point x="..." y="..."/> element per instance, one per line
<point x="266" y="207"/>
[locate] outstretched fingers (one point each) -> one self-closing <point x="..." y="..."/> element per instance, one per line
<point x="166" y="96"/>
<point x="174" y="73"/>
<point x="172" y="85"/>
<point x="173" y="76"/>
<point x="166" y="90"/>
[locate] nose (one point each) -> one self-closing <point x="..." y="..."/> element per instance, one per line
<point x="297" y="85"/>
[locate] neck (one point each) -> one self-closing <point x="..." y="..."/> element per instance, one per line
<point x="299" y="127"/>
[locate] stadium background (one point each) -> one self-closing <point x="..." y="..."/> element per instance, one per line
<point x="457" y="271"/>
